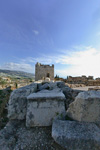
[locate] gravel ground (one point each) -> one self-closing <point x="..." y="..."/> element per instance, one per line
<point x="15" y="136"/>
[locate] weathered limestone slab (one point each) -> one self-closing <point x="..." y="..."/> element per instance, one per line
<point x="60" y="84"/>
<point x="18" y="102"/>
<point x="42" y="107"/>
<point x="86" y="107"/>
<point x="44" y="86"/>
<point x="53" y="85"/>
<point x="49" y="86"/>
<point x="73" y="135"/>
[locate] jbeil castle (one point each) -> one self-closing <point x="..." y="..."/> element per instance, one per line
<point x="44" y="71"/>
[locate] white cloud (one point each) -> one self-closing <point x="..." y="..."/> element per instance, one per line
<point x="76" y="63"/>
<point x="35" y="32"/>
<point x="98" y="34"/>
<point x="44" y="59"/>
<point x="83" y="62"/>
<point x="18" y="66"/>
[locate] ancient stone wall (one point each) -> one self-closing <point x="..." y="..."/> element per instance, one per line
<point x="43" y="71"/>
<point x="88" y="81"/>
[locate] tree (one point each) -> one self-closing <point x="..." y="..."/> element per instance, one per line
<point x="57" y="76"/>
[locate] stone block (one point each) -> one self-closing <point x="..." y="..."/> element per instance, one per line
<point x="74" y="135"/>
<point x="86" y="107"/>
<point x="43" y="107"/>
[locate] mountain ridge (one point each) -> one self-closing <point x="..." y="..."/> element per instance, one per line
<point x="4" y="72"/>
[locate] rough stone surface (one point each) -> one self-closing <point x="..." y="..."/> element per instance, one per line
<point x="75" y="93"/>
<point x="53" y="85"/>
<point x="70" y="95"/>
<point x="49" y="86"/>
<point x="60" y="84"/>
<point x="56" y="93"/>
<point x="15" y="136"/>
<point x="73" y="135"/>
<point x="44" y="86"/>
<point x="86" y="107"/>
<point x="43" y="106"/>
<point x="18" y="102"/>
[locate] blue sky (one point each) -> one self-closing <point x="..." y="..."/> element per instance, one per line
<point x="65" y="33"/>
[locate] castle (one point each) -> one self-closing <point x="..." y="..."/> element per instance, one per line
<point x="44" y="71"/>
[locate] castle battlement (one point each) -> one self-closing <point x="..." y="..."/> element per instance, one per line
<point x="42" y="71"/>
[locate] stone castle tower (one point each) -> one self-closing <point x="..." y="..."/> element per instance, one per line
<point x="43" y="71"/>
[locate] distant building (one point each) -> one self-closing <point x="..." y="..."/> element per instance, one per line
<point x="80" y="80"/>
<point x="97" y="79"/>
<point x="44" y="71"/>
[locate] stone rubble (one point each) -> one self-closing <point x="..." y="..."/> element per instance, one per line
<point x="78" y="129"/>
